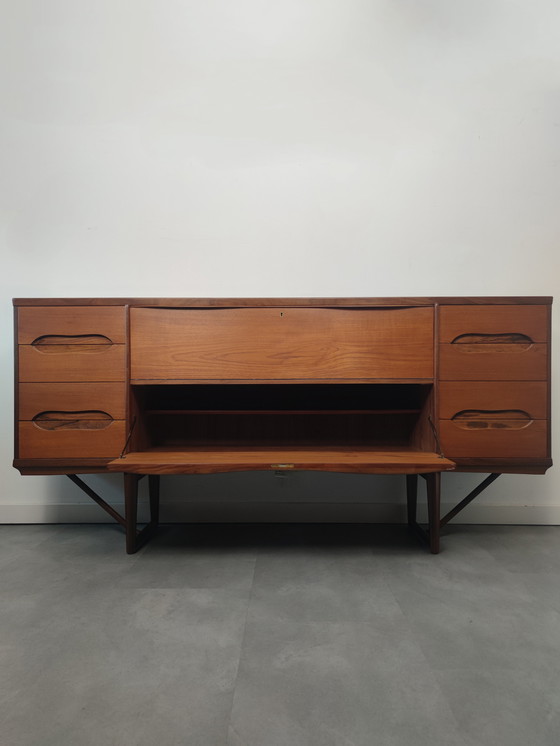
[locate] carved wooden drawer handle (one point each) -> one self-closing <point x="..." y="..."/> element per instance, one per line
<point x="80" y="343"/>
<point x="508" y="342"/>
<point x="84" y="420"/>
<point x="488" y="419"/>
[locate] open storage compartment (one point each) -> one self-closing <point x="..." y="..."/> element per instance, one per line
<point x="282" y="415"/>
<point x="200" y="428"/>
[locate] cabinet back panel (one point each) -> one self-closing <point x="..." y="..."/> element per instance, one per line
<point x="286" y="429"/>
<point x="273" y="396"/>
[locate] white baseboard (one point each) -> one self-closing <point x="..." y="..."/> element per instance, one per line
<point x="277" y="512"/>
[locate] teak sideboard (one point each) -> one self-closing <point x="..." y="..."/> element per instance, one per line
<point x="411" y="386"/>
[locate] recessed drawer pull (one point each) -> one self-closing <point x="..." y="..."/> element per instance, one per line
<point x="512" y="338"/>
<point x="88" y="420"/>
<point x="80" y="343"/>
<point x="480" y="419"/>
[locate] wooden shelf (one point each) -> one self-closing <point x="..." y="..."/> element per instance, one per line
<point x="140" y="382"/>
<point x="216" y="459"/>
<point x="280" y="411"/>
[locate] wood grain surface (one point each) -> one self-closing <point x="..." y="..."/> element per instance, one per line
<point x="208" y="461"/>
<point x="74" y="365"/>
<point x="35" y="442"/>
<point x="40" y="397"/>
<point x="292" y="343"/>
<point x="531" y="321"/>
<point x="40" y="321"/>
<point x="529" y="396"/>
<point x="529" y="442"/>
<point x="493" y="362"/>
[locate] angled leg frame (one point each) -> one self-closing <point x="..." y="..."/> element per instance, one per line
<point x="435" y="522"/>
<point x="135" y="537"/>
<point x="433" y="491"/>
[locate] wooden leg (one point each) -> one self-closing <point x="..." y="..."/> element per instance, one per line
<point x="433" y="482"/>
<point x="135" y="538"/>
<point x="131" y="511"/>
<point x="153" y="484"/>
<point x="411" y="497"/>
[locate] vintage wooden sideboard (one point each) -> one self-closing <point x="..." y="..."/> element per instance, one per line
<point x="411" y="386"/>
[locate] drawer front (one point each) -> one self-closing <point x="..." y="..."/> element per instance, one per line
<point x="101" y="398"/>
<point x="500" y="362"/>
<point x="493" y="396"/>
<point x="494" y="324"/>
<point x="102" y="324"/>
<point x="66" y="441"/>
<point x="59" y="363"/>
<point x="504" y="419"/>
<point x="500" y="343"/>
<point x="281" y="343"/>
<point x="520" y="440"/>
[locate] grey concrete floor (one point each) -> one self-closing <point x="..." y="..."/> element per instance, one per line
<point x="279" y="635"/>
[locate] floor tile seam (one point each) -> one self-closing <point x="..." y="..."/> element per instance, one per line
<point x="513" y="668"/>
<point x="430" y="668"/>
<point x="495" y="671"/>
<point x="228" y="719"/>
<point x="545" y="700"/>
<point x="436" y="670"/>
<point x="412" y="632"/>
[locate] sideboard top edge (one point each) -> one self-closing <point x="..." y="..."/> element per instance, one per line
<point x="271" y="302"/>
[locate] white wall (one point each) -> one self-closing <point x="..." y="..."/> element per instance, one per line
<point x="255" y="147"/>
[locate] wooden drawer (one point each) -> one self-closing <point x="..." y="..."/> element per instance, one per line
<point x="500" y="362"/>
<point x="59" y="363"/>
<point x="108" y="398"/>
<point x="531" y="441"/>
<point x="505" y="419"/>
<point x="493" y="396"/>
<point x="281" y="343"/>
<point x="62" y="443"/>
<point x="506" y="343"/>
<point x="494" y="323"/>
<point x="65" y="322"/>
